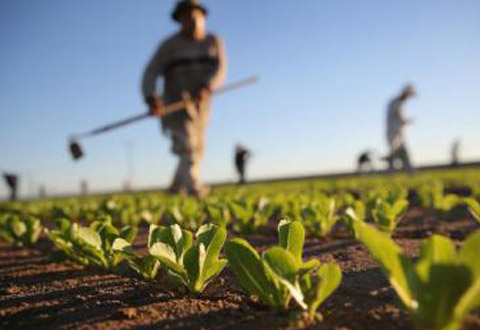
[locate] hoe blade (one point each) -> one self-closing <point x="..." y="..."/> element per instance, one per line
<point x="76" y="150"/>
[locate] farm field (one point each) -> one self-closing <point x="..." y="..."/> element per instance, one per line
<point x="63" y="280"/>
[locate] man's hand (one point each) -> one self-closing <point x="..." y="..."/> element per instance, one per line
<point x="155" y="105"/>
<point x="204" y="94"/>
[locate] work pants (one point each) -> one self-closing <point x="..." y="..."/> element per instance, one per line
<point x="188" y="143"/>
<point x="400" y="154"/>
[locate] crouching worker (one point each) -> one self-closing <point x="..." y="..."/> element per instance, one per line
<point x="191" y="62"/>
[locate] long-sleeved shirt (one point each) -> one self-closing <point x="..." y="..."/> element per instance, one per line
<point x="396" y="123"/>
<point x="185" y="65"/>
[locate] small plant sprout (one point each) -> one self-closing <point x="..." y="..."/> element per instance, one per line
<point x="20" y="230"/>
<point x="280" y="274"/>
<point x="473" y="207"/>
<point x="319" y="217"/>
<point x="194" y="264"/>
<point x="91" y="245"/>
<point x="387" y="215"/>
<point x="441" y="288"/>
<point x="356" y="212"/>
<point x="146" y="266"/>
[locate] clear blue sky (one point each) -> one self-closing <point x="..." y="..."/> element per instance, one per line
<point x="327" y="69"/>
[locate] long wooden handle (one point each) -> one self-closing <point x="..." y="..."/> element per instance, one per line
<point x="180" y="105"/>
<point x="173" y="107"/>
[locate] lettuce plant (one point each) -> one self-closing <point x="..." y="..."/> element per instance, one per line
<point x="444" y="203"/>
<point x="146" y="266"/>
<point x="320" y="216"/>
<point x="91" y="245"/>
<point x="279" y="274"/>
<point x="387" y="215"/>
<point x="20" y="230"/>
<point x="473" y="207"/>
<point x="194" y="264"/>
<point x="441" y="288"/>
<point x="250" y="214"/>
<point x="356" y="212"/>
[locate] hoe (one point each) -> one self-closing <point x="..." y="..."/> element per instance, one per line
<point x="76" y="149"/>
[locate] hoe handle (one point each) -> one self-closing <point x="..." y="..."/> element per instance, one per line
<point x="173" y="107"/>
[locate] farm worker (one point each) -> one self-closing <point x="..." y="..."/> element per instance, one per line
<point x="455" y="152"/>
<point x="396" y="123"/>
<point x="12" y="182"/>
<point x="241" y="157"/>
<point x="191" y="62"/>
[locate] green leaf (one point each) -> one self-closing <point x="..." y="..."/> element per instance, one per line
<point x="468" y="256"/>
<point x="282" y="262"/>
<point x="129" y="233"/>
<point x="123" y="246"/>
<point x="89" y="237"/>
<point x="285" y="267"/>
<point x="249" y="268"/>
<point x="213" y="238"/>
<point x="328" y="279"/>
<point x="473" y="207"/>
<point x="291" y="236"/>
<point x="18" y="227"/>
<point x="397" y="267"/>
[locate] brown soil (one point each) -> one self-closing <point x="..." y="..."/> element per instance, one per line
<point x="36" y="293"/>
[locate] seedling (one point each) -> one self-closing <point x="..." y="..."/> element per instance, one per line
<point x="320" y="216"/>
<point x="279" y="274"/>
<point x="473" y="207"/>
<point x="194" y="264"/>
<point x="441" y="288"/>
<point x="146" y="266"/>
<point x="20" y="230"/>
<point x="387" y="215"/>
<point x="91" y="245"/>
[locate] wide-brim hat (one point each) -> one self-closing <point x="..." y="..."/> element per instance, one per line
<point x="186" y="5"/>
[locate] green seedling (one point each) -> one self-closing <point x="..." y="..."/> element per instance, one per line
<point x="387" y="215"/>
<point x="194" y="264"/>
<point x="20" y="230"/>
<point x="91" y="245"/>
<point x="441" y="288"/>
<point x="279" y="274"/>
<point x="473" y="207"/>
<point x="320" y="217"/>
<point x="146" y="266"/>
<point x="354" y="213"/>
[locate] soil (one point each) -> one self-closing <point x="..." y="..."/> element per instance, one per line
<point x="38" y="293"/>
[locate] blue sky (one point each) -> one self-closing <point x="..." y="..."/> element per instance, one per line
<point x="327" y="69"/>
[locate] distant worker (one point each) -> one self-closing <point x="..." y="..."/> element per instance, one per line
<point x="396" y="123"/>
<point x="42" y="191"/>
<point x="191" y="62"/>
<point x="12" y="182"/>
<point x="456" y="152"/>
<point x="84" y="187"/>
<point x="365" y="162"/>
<point x="241" y="157"/>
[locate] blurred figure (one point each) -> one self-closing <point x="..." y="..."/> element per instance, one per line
<point x="242" y="155"/>
<point x="396" y="123"/>
<point x="42" y="191"/>
<point x="84" y="188"/>
<point x="12" y="182"/>
<point x="365" y="162"/>
<point x="192" y="62"/>
<point x="455" y="152"/>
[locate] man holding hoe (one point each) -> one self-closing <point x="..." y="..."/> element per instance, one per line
<point x="192" y="64"/>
